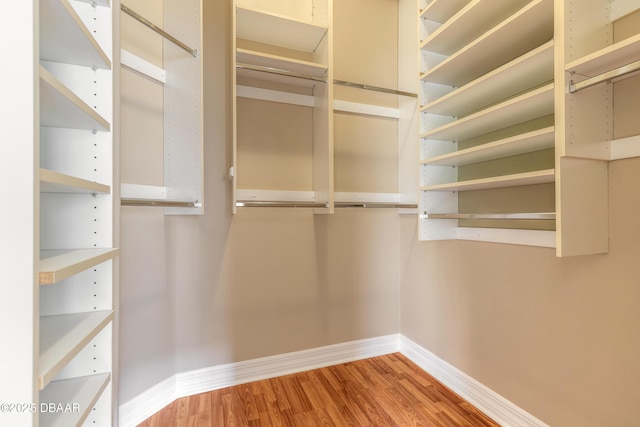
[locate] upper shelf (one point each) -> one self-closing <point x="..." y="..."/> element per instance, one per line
<point x="526" y="29"/>
<point x="65" y="38"/>
<point x="57" y="265"/>
<point x="527" y="71"/>
<point x="278" y="30"/>
<point x="531" y="105"/>
<point x="607" y="59"/>
<point x="537" y="140"/>
<point x="60" y="107"/>
<point x="83" y="392"/>
<point x="306" y="68"/>
<point x="471" y="21"/>
<point x="515" y="180"/>
<point x="56" y="182"/>
<point x="62" y="337"/>
<point x="442" y="10"/>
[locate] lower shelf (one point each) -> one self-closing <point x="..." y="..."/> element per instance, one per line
<point x="62" y="337"/>
<point x="68" y="402"/>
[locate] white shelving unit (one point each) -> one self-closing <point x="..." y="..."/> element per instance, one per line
<point x="180" y="76"/>
<point x="487" y="108"/>
<point x="70" y="322"/>
<point x="283" y="54"/>
<point x="518" y="110"/>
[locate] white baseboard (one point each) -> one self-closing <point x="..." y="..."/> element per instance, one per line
<point x="491" y="403"/>
<point x="189" y="383"/>
<point x="141" y="407"/>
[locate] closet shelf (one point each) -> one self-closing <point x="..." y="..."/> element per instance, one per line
<point x="514" y="180"/>
<point x="296" y="66"/>
<point x="607" y="59"/>
<point x="537" y="140"/>
<point x="534" y="104"/>
<point x="468" y="23"/>
<point x="526" y="216"/>
<point x="531" y="26"/>
<point x="529" y="70"/>
<point x="62" y="337"/>
<point x="56" y="182"/>
<point x="57" y="265"/>
<point x="83" y="392"/>
<point x="442" y="10"/>
<point x="65" y="38"/>
<point x="278" y="30"/>
<point x="60" y="107"/>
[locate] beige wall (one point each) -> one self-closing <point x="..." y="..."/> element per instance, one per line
<point x="558" y="337"/>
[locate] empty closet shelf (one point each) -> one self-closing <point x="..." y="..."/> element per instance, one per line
<point x="57" y="265"/>
<point x="514" y="180"/>
<point x="56" y="182"/>
<point x="83" y="392"/>
<point x="62" y="337"/>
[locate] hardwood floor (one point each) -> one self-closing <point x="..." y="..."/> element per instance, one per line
<point x="382" y="391"/>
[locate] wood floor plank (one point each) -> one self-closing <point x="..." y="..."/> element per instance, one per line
<point x="383" y="391"/>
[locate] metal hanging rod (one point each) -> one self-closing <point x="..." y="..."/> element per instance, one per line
<point x="288" y="204"/>
<point x="159" y="203"/>
<point x="375" y="205"/>
<point x="158" y="30"/>
<point x="274" y="204"/>
<point x="374" y="88"/>
<point x="279" y="72"/>
<point x="511" y="216"/>
<point x="604" y="77"/>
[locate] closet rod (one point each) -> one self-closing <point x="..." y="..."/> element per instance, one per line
<point x="519" y="216"/>
<point x="604" y="77"/>
<point x="158" y="203"/>
<point x="375" y="205"/>
<point x="274" y="204"/>
<point x="279" y="72"/>
<point x="374" y="88"/>
<point x="158" y="30"/>
<point x="278" y="204"/>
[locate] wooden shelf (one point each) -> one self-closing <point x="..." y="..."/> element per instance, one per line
<point x="607" y="59"/>
<point x="63" y="337"/>
<point x="526" y="178"/>
<point x="65" y="38"/>
<point x="278" y="30"/>
<point x="55" y="182"/>
<point x="306" y="68"/>
<point x="529" y="27"/>
<point x="442" y="10"/>
<point x="531" y="105"/>
<point x="83" y="392"/>
<point x="468" y="23"/>
<point x="527" y="71"/>
<point x="57" y="265"/>
<point x="525" y="143"/>
<point x="60" y="107"/>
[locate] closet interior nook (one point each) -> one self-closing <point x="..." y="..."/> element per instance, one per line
<point x="293" y="104"/>
<point x="510" y="151"/>
<point x="180" y="37"/>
